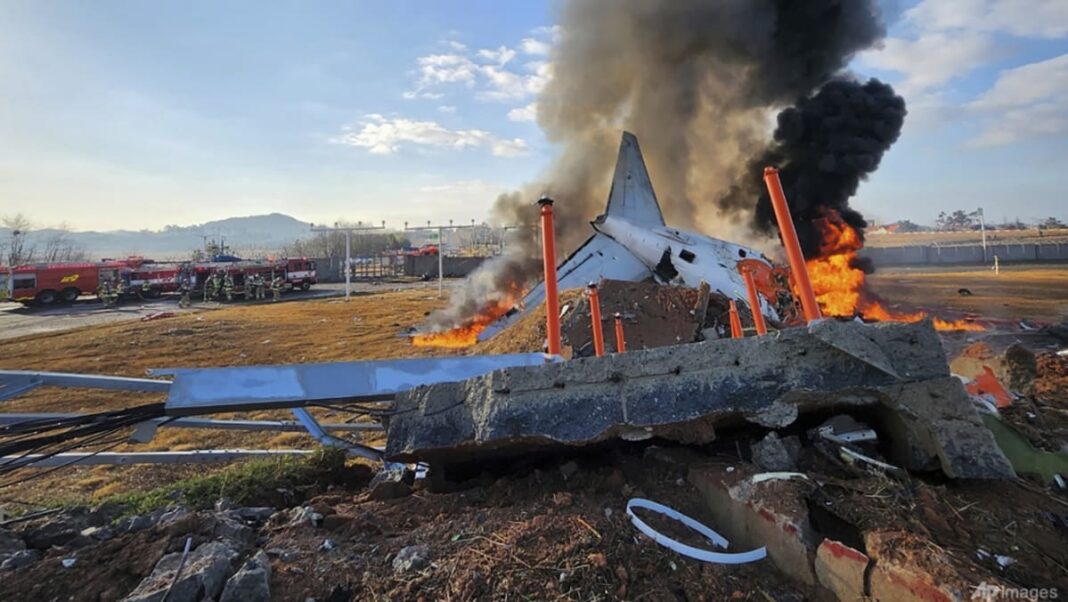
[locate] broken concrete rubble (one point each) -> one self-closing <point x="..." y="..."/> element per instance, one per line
<point x="685" y="392"/>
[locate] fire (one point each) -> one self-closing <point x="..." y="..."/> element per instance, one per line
<point x="840" y="286"/>
<point x="466" y="334"/>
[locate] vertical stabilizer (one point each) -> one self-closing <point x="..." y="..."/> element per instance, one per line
<point x="632" y="197"/>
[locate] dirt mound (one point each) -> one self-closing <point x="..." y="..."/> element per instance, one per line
<point x="654" y="315"/>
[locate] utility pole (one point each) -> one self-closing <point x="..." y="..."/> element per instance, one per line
<point x="348" y="230"/>
<point x="441" y="246"/>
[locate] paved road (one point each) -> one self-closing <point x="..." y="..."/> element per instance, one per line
<point x="17" y="320"/>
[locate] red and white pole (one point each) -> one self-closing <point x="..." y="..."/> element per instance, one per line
<point x="552" y="297"/>
<point x="595" y="318"/>
<point x="809" y="305"/>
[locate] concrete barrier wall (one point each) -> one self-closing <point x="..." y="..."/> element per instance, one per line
<point x="454" y="267"/>
<point x="965" y="254"/>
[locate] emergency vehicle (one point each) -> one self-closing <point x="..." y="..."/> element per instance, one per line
<point x="47" y="283"/>
<point x="44" y="284"/>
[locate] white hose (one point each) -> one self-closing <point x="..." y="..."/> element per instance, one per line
<point x="689" y="551"/>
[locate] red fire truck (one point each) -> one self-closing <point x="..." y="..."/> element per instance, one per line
<point x="47" y="283"/>
<point x="44" y="284"/>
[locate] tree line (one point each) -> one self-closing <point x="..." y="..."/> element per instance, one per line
<point x="52" y="245"/>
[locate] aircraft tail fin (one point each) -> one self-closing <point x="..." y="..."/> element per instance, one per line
<point x="632" y="197"/>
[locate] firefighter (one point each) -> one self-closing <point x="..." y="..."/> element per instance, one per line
<point x="209" y="283"/>
<point x="103" y="292"/>
<point x="276" y="288"/>
<point x="228" y="286"/>
<point x="261" y="287"/>
<point x="146" y="289"/>
<point x="183" y="288"/>
<point x="117" y="291"/>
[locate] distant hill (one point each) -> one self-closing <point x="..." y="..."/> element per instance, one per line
<point x="255" y="234"/>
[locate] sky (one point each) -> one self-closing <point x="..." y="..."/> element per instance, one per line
<point x="136" y="115"/>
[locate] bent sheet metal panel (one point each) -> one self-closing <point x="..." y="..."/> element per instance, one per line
<point x="206" y="390"/>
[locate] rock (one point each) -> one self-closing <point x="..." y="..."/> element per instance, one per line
<point x="1020" y="369"/>
<point x="327" y="545"/>
<point x="133" y="524"/>
<point x="223" y="504"/>
<point x="303" y="515"/>
<point x="203" y="576"/>
<point x="20" y="559"/>
<point x="411" y="558"/>
<point x="68" y="562"/>
<point x="57" y="532"/>
<point x="336" y="522"/>
<point x="168" y="516"/>
<point x="252" y="583"/>
<point x="10" y="543"/>
<point x="392" y="481"/>
<point x="104" y="514"/>
<point x="252" y="515"/>
<point x="773" y="453"/>
<point x="230" y="529"/>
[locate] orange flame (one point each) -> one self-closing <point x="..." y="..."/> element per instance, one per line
<point x="466" y="334"/>
<point x="840" y="286"/>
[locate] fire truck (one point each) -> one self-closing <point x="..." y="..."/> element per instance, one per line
<point x="47" y="283"/>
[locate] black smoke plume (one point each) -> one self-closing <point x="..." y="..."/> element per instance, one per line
<point x="824" y="146"/>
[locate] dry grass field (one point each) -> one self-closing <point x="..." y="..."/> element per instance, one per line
<point x="1019" y="291"/>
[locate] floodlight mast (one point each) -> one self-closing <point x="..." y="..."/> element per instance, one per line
<point x="348" y="230"/>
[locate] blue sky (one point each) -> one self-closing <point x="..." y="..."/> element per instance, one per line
<point x="137" y="115"/>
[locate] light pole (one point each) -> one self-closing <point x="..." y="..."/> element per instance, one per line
<point x="441" y="246"/>
<point x="348" y="230"/>
<point x="982" y="230"/>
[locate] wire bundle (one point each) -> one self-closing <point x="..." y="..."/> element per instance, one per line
<point x="29" y="441"/>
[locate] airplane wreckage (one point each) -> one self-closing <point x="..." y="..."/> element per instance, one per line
<point x="450" y="412"/>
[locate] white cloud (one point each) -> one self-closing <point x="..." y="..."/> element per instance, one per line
<point x="491" y="72"/>
<point x="532" y="46"/>
<point x="384" y="136"/>
<point x="524" y="113"/>
<point x="456" y="45"/>
<point x="1024" y="102"/>
<point x="446" y="69"/>
<point x="932" y="59"/>
<point x="447" y="109"/>
<point x="1026" y="18"/>
<point x="501" y="55"/>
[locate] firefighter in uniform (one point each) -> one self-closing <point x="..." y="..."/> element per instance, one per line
<point x="118" y="290"/>
<point x="146" y="289"/>
<point x="276" y="288"/>
<point x="103" y="292"/>
<point x="228" y="286"/>
<point x="261" y="287"/>
<point x="183" y="288"/>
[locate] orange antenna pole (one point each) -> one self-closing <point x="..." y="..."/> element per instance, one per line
<point x="736" y="322"/>
<point x="595" y="317"/>
<point x="552" y="297"/>
<point x="621" y="345"/>
<point x="809" y="305"/>
<point x="754" y="300"/>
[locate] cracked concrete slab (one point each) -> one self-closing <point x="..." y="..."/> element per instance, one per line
<point x="683" y="393"/>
